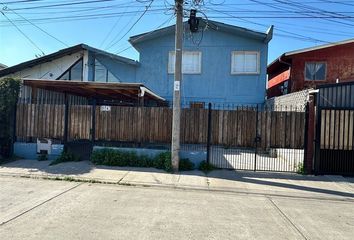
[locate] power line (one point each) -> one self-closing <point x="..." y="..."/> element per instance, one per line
<point x="161" y="25"/>
<point x="29" y="39"/>
<point x="263" y="25"/>
<point x="63" y="4"/>
<point x="113" y="27"/>
<point x="41" y="29"/>
<point x="146" y="9"/>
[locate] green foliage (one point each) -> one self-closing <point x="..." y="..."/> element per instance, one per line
<point x="300" y="168"/>
<point x="186" y="165"/>
<point x="66" y="156"/>
<point x="42" y="157"/>
<point x="163" y="161"/>
<point x="119" y="158"/>
<point x="9" y="90"/>
<point x="206" y="167"/>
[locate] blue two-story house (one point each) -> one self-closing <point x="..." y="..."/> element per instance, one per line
<point x="221" y="64"/>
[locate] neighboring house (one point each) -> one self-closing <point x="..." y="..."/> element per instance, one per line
<point x="310" y="67"/>
<point x="2" y="66"/>
<point x="221" y="64"/>
<point x="80" y="63"/>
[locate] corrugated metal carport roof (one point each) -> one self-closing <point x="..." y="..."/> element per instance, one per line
<point x="107" y="91"/>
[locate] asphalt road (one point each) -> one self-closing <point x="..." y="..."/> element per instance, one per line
<point x="47" y="209"/>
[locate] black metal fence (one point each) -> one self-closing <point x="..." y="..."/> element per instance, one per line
<point x="335" y="129"/>
<point x="262" y="139"/>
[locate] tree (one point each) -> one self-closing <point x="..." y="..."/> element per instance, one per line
<point x="9" y="90"/>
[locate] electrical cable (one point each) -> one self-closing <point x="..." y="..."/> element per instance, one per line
<point x="28" y="38"/>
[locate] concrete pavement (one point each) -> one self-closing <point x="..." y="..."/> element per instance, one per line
<point x="265" y="183"/>
<point x="42" y="209"/>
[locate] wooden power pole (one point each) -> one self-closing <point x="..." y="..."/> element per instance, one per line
<point x="176" y="119"/>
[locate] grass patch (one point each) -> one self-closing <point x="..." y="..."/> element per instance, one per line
<point x="66" y="156"/>
<point x="111" y="157"/>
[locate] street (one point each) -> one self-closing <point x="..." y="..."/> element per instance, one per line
<point x="49" y="209"/>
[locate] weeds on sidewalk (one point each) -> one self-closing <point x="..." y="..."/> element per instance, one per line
<point x="65" y="156"/>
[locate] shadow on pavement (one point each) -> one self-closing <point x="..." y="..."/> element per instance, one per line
<point x="289" y="181"/>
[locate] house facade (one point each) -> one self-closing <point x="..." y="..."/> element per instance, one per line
<point x="311" y="67"/>
<point x="221" y="64"/>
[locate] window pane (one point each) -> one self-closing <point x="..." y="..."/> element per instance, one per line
<point x="244" y="62"/>
<point x="111" y="77"/>
<point x="65" y="76"/>
<point x="76" y="71"/>
<point x="250" y="62"/>
<point x="321" y="71"/>
<point x="315" y="71"/>
<point x="100" y="72"/>
<point x="191" y="62"/>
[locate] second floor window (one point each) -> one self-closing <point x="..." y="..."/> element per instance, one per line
<point x="102" y="74"/>
<point x="244" y="62"/>
<point x="315" y="71"/>
<point x="191" y="62"/>
<point x="74" y="72"/>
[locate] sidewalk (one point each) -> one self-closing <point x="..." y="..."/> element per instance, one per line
<point x="263" y="183"/>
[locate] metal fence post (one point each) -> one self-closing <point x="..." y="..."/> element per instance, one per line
<point x="306" y="136"/>
<point x="66" y="122"/>
<point x="256" y="141"/>
<point x="209" y="133"/>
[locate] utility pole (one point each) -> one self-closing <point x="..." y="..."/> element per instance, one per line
<point x="176" y="119"/>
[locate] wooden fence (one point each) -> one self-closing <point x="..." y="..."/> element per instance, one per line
<point x="231" y="128"/>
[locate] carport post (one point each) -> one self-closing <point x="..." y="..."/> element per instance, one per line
<point x="66" y="121"/>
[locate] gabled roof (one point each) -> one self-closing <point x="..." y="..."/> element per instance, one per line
<point x="2" y="66"/>
<point x="61" y="53"/>
<point x="319" y="47"/>
<point x="213" y="25"/>
<point x="280" y="60"/>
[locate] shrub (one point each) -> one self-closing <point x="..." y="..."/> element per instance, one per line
<point x="163" y="161"/>
<point x="66" y="156"/>
<point x="206" y="167"/>
<point x="9" y="89"/>
<point x="186" y="165"/>
<point x="119" y="158"/>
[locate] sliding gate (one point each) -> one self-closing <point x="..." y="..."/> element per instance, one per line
<point x="258" y="138"/>
<point x="335" y="129"/>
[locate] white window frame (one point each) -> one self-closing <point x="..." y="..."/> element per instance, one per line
<point x="244" y="53"/>
<point x="316" y="80"/>
<point x="171" y="66"/>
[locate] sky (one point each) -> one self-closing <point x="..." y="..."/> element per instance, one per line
<point x="32" y="28"/>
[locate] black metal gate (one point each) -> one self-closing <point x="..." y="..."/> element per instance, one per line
<point x="258" y="138"/>
<point x="335" y="129"/>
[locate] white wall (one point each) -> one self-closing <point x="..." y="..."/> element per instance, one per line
<point x="53" y="69"/>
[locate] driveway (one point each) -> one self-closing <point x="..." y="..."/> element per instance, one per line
<point x="47" y="209"/>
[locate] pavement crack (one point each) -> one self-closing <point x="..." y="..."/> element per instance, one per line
<point x="286" y="218"/>
<point x="123" y="177"/>
<point x="40" y="204"/>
